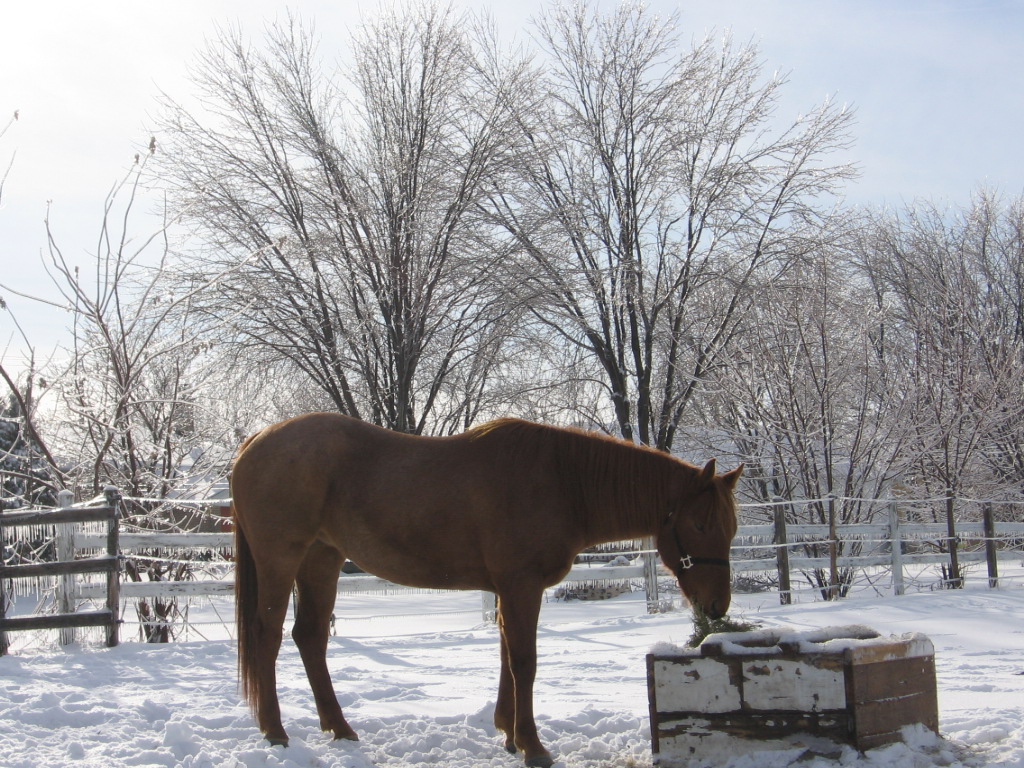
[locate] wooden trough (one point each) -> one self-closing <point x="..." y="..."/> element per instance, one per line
<point x="773" y="688"/>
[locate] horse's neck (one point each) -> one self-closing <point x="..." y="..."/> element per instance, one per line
<point x="629" y="507"/>
<point x="607" y="524"/>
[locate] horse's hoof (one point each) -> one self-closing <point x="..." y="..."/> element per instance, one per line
<point x="349" y="735"/>
<point x="544" y="760"/>
<point x="277" y="742"/>
<point x="510" y="746"/>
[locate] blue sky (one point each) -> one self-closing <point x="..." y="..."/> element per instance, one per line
<point x="937" y="86"/>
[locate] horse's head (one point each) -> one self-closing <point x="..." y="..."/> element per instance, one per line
<point x="695" y="539"/>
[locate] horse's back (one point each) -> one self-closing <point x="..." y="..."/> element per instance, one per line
<point x="426" y="511"/>
<point x="350" y="484"/>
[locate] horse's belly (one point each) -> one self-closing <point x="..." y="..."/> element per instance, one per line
<point x="408" y="545"/>
<point x="413" y="572"/>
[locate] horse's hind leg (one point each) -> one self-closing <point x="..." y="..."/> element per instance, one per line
<point x="317" y="585"/>
<point x="275" y="588"/>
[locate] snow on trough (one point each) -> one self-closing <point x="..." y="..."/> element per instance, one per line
<point x="420" y="689"/>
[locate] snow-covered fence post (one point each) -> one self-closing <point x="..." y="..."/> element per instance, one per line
<point x="896" y="549"/>
<point x="834" y="589"/>
<point x="954" y="577"/>
<point x="991" y="556"/>
<point x="782" y="552"/>
<point x="489" y="605"/>
<point x="114" y="576"/>
<point x="65" y="543"/>
<point x="650" y="558"/>
<point x="3" y="592"/>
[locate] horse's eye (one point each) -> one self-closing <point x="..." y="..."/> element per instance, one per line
<point x="699" y="527"/>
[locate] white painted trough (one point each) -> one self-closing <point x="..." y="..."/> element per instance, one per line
<point x="772" y="689"/>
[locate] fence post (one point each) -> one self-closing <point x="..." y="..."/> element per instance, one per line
<point x="896" y="549"/>
<point x="489" y="605"/>
<point x="991" y="555"/>
<point x="651" y="574"/>
<point x="3" y="591"/>
<point x="954" y="579"/>
<point x="782" y="552"/>
<point x="113" y="576"/>
<point x="65" y="541"/>
<point x="833" y="550"/>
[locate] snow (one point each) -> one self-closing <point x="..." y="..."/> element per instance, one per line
<point x="418" y="682"/>
<point x="827" y="640"/>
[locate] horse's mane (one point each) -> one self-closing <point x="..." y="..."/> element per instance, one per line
<point x="601" y="474"/>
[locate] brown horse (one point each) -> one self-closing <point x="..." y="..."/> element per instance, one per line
<point x="505" y="508"/>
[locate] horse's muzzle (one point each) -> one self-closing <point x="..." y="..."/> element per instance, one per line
<point x="715" y="610"/>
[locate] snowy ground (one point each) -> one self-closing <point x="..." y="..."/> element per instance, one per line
<point x="419" y="688"/>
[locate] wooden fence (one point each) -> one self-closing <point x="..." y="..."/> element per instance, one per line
<point x="777" y="551"/>
<point x="67" y="567"/>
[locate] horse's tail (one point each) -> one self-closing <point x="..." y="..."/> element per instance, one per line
<point x="246" y="617"/>
<point x="246" y="603"/>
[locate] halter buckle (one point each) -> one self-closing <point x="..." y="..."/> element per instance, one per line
<point x="685" y="562"/>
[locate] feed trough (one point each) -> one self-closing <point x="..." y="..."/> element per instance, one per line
<point x="776" y="687"/>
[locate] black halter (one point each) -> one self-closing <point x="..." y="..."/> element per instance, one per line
<point x="686" y="560"/>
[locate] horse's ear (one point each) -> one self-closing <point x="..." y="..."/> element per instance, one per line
<point x="707" y="474"/>
<point x="731" y="479"/>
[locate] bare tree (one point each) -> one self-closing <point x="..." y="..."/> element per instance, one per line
<point x="655" y="196"/>
<point x="997" y="228"/>
<point x="348" y="211"/>
<point x="31" y="474"/>
<point x="131" y="384"/>
<point x="28" y="472"/>
<point x="816" y="403"/>
<point x="953" y="279"/>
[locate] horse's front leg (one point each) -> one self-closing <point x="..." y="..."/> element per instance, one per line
<point x="518" y="613"/>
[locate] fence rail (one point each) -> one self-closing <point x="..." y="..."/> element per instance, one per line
<point x="749" y="538"/>
<point x="777" y="549"/>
